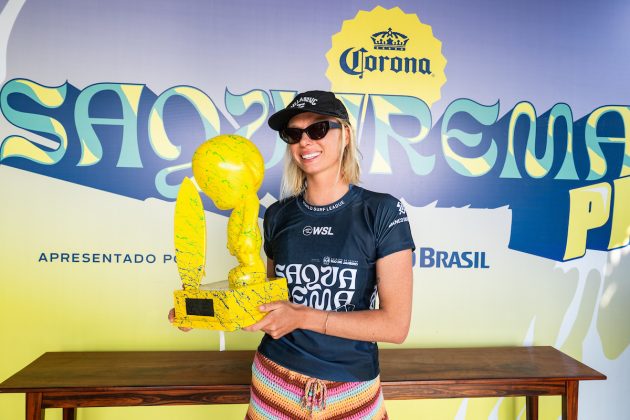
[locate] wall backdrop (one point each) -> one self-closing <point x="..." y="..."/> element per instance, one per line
<point x="503" y="127"/>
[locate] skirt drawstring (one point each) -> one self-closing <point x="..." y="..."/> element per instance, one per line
<point x="314" y="395"/>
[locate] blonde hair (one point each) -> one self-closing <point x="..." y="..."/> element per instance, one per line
<point x="294" y="179"/>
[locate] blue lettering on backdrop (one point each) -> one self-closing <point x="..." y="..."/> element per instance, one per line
<point x="356" y="63"/>
<point x="426" y="257"/>
<point x="126" y="139"/>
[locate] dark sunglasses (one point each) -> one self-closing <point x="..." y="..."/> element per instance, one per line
<point x="315" y="131"/>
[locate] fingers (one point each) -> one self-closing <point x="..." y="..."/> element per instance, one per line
<point x="272" y="306"/>
<point x="171" y="319"/>
<point x="274" y="323"/>
<point x="275" y="334"/>
<point x="257" y="326"/>
<point x="266" y="325"/>
<point x="171" y="315"/>
<point x="251" y="328"/>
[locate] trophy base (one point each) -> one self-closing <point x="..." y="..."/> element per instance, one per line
<point x="215" y="306"/>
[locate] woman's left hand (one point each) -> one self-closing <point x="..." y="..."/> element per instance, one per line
<point x="282" y="318"/>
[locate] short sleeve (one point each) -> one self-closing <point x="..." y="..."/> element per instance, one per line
<point x="268" y="228"/>
<point x="393" y="232"/>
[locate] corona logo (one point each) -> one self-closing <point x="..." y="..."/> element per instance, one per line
<point x="357" y="62"/>
<point x="390" y="40"/>
<point x="365" y="58"/>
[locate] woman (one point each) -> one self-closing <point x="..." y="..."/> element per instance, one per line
<point x="337" y="245"/>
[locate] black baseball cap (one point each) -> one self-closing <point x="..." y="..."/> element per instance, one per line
<point x="316" y="101"/>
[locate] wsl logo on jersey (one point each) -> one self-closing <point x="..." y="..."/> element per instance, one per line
<point x="317" y="230"/>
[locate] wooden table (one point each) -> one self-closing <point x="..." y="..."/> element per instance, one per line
<point x="109" y="379"/>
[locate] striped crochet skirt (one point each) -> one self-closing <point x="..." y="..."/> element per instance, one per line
<point x="280" y="393"/>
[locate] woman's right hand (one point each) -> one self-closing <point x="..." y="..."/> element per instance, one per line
<point x="171" y="318"/>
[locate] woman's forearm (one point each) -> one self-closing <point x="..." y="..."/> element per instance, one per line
<point x="389" y="323"/>
<point x="368" y="325"/>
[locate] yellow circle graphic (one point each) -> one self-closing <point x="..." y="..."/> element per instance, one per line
<point x="387" y="51"/>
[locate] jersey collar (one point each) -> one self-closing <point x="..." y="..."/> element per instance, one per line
<point x="328" y="208"/>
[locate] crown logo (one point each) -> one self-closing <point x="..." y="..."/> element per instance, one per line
<point x="389" y="40"/>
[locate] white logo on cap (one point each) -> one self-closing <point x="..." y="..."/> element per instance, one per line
<point x="303" y="100"/>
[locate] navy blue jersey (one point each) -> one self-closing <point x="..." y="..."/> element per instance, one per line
<point x="328" y="256"/>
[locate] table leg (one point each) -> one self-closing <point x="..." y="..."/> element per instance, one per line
<point x="34" y="406"/>
<point x="570" y="401"/>
<point x="70" y="413"/>
<point x="531" y="407"/>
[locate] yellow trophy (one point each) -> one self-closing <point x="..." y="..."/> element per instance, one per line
<point x="229" y="169"/>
